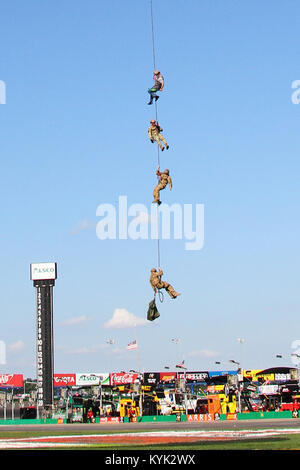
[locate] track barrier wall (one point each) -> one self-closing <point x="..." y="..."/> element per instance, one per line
<point x="159" y="419"/>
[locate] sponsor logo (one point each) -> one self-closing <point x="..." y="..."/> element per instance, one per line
<point x="198" y="418"/>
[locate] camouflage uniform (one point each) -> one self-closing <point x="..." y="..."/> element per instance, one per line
<point x="155" y="135"/>
<point x="165" y="179"/>
<point x="157" y="283"/>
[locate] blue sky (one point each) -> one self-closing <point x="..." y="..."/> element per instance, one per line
<point x="74" y="136"/>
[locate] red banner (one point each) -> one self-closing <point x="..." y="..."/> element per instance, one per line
<point x="167" y="376"/>
<point x="11" y="380"/>
<point x="122" y="378"/>
<point x="64" y="380"/>
<point x="110" y="419"/>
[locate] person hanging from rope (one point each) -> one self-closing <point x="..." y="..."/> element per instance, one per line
<point x="164" y="179"/>
<point x="157" y="283"/>
<point x="154" y="134"/>
<point x="159" y="83"/>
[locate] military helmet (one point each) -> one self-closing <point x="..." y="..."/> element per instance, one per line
<point x="156" y="72"/>
<point x="153" y="270"/>
<point x="166" y="171"/>
<point x="152" y="120"/>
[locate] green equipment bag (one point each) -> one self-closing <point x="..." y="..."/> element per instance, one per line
<point x="152" y="313"/>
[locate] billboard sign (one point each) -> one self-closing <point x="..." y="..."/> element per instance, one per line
<point x="193" y="376"/>
<point x="90" y="379"/>
<point x="64" y="380"/>
<point x="151" y="378"/>
<point x="43" y="271"/>
<point x="218" y="373"/>
<point x="167" y="376"/>
<point x="200" y="418"/>
<point x="11" y="380"/>
<point x="123" y="378"/>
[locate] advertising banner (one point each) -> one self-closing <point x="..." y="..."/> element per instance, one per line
<point x="151" y="378"/>
<point x="215" y="388"/>
<point x="11" y="380"/>
<point x="110" y="419"/>
<point x="42" y="271"/>
<point x="64" y="380"/>
<point x="167" y="376"/>
<point x="217" y="373"/>
<point x="121" y="378"/>
<point x="255" y="374"/>
<point x="91" y="379"/>
<point x="200" y="418"/>
<point x="282" y="377"/>
<point x="194" y="376"/>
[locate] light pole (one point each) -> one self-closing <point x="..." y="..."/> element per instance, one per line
<point x="241" y="341"/>
<point x="185" y="394"/>
<point x="238" y="382"/>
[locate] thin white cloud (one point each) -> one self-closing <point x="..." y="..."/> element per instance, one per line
<point x="16" y="347"/>
<point x="82" y="225"/>
<point x="74" y="321"/>
<point x="123" y="319"/>
<point x="203" y="353"/>
<point x="83" y="350"/>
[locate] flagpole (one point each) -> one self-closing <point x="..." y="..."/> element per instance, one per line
<point x="137" y="350"/>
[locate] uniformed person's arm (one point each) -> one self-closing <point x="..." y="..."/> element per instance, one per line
<point x="150" y="134"/>
<point x="170" y="182"/>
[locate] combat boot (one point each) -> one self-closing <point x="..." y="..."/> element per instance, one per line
<point x="175" y="294"/>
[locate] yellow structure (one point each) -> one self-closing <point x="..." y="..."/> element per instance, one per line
<point x="255" y="375"/>
<point x="222" y="404"/>
<point x="128" y="408"/>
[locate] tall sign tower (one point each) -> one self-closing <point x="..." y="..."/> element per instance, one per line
<point x="43" y="276"/>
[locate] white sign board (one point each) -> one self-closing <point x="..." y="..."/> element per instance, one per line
<point x="43" y="271"/>
<point x="92" y="379"/>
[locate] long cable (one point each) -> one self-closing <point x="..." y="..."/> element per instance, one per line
<point x="156" y="118"/>
<point x="153" y="41"/>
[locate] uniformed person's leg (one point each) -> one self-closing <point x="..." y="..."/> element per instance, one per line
<point x="156" y="191"/>
<point x="164" y="140"/>
<point x="171" y="291"/>
<point x="156" y="194"/>
<point x="156" y="138"/>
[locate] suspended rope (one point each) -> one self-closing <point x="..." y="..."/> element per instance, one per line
<point x="156" y="118"/>
<point x="153" y="41"/>
<point x="164" y="178"/>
